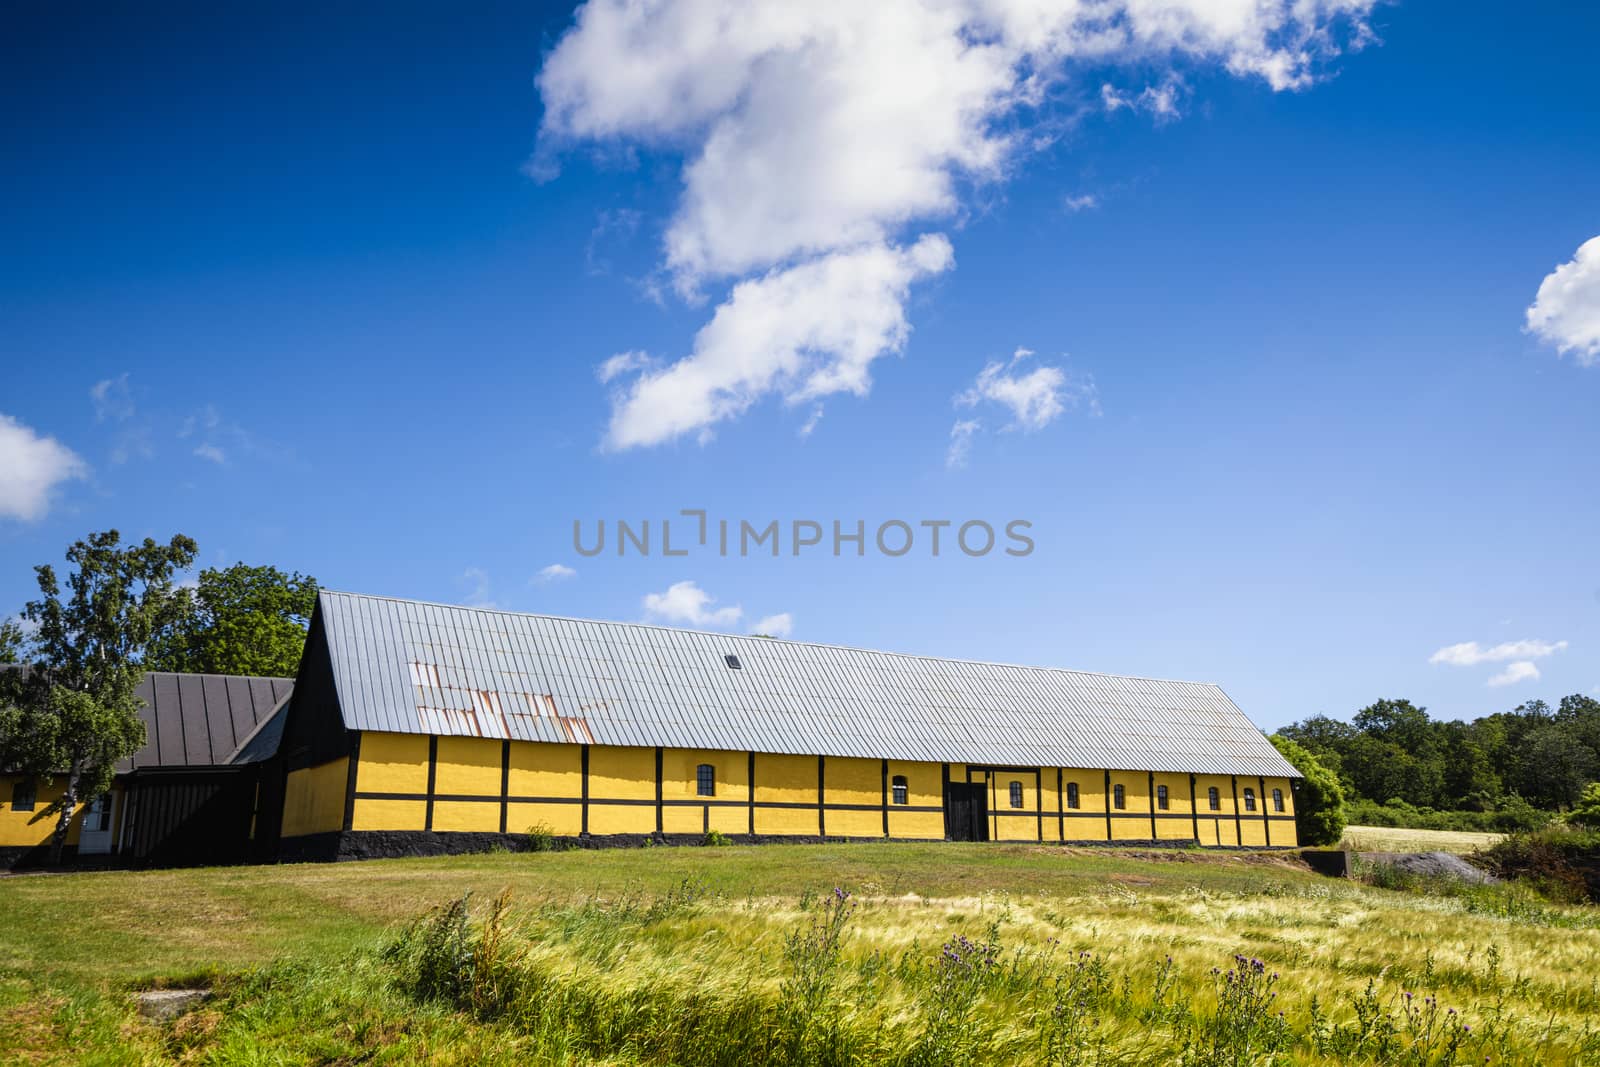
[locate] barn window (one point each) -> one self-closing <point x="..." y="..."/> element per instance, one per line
<point x="1072" y="794"/>
<point x="24" y="795"/>
<point x="1277" y="800"/>
<point x="705" y="780"/>
<point x="733" y="663"/>
<point x="1214" y="799"/>
<point x="1119" y="797"/>
<point x="1161" y="797"/>
<point x="1249" y="800"/>
<point x="902" y="793"/>
<point x="1016" y="794"/>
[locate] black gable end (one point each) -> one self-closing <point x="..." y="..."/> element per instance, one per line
<point x="314" y="731"/>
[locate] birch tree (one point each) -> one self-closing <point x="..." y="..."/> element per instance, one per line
<point x="74" y="714"/>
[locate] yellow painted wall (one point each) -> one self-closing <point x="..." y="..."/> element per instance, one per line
<point x="1009" y="823"/>
<point x="467" y="766"/>
<point x="622" y="793"/>
<point x="393" y="763"/>
<point x="1087" y="822"/>
<point x="1174" y="822"/>
<point x="925" y="789"/>
<point x="313" y="800"/>
<point x="28" y="828"/>
<point x="854" y="782"/>
<point x="622" y="774"/>
<point x="1216" y="827"/>
<point x="786" y="780"/>
<point x="387" y="815"/>
<point x="563" y="820"/>
<point x="468" y="815"/>
<point x="547" y="771"/>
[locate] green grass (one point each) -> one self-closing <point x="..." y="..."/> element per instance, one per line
<point x="688" y="955"/>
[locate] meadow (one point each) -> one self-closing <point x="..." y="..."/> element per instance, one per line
<point x="1402" y="839"/>
<point x="867" y="953"/>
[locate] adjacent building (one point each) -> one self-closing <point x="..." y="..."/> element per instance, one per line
<point x="188" y="795"/>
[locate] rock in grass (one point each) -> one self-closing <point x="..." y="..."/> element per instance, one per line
<point x="159" y="1004"/>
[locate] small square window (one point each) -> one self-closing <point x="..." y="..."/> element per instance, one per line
<point x="733" y="663"/>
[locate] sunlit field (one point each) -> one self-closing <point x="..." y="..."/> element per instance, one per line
<point x="874" y="953"/>
<point x="1398" y="839"/>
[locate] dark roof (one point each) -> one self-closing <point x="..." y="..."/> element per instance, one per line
<point x="194" y="720"/>
<point x="263" y="741"/>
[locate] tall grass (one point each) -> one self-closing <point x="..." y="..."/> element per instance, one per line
<point x="690" y="979"/>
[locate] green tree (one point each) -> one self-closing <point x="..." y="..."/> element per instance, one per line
<point x="1553" y="767"/>
<point x="239" y="620"/>
<point x="1579" y="715"/>
<point x="1318" y="797"/>
<point x="1470" y="783"/>
<point x="12" y="641"/>
<point x="75" y="713"/>
<point x="1586" y="812"/>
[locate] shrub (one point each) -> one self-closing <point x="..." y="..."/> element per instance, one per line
<point x="541" y="838"/>
<point x="716" y="839"/>
<point x="1319" y="815"/>
<point x="1561" y="864"/>
<point x="1586" y="812"/>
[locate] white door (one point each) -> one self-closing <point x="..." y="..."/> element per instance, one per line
<point x="94" y="838"/>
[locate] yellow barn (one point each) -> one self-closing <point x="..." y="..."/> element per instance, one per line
<point x="423" y="728"/>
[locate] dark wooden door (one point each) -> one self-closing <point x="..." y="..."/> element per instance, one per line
<point x="966" y="812"/>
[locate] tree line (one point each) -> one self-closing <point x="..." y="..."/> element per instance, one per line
<point x="1392" y="750"/>
<point x="68" y="706"/>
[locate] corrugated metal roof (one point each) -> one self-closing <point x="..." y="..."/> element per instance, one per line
<point x="412" y="667"/>
<point x="196" y="720"/>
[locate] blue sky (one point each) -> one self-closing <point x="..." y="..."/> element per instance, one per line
<point x="334" y="292"/>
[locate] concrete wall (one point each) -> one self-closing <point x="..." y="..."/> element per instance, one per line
<point x="478" y="785"/>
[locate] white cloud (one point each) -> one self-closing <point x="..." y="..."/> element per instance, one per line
<point x="961" y="442"/>
<point x="476" y="579"/>
<point x="1034" y="398"/>
<point x="556" y="572"/>
<point x="1084" y="202"/>
<point x="687" y="603"/>
<point x="1520" y="671"/>
<point x="779" y="625"/>
<point x="811" y="422"/>
<point x="1470" y="653"/>
<point x="211" y="452"/>
<point x="824" y="139"/>
<point x="1566" y="310"/>
<point x="112" y="399"/>
<point x="31" y="466"/>
<point x="620" y="364"/>
<point x="805" y="332"/>
<point x="1158" y="101"/>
